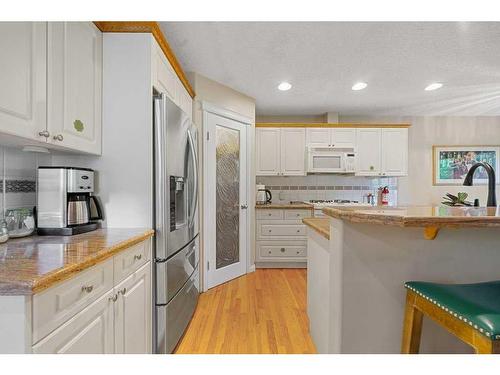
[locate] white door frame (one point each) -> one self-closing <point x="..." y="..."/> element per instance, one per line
<point x="208" y="236"/>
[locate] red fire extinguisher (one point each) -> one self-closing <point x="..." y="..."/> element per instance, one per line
<point x="385" y="196"/>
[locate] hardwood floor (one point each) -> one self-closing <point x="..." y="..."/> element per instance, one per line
<point x="262" y="312"/>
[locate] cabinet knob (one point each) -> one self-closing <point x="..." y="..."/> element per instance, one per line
<point x="87" y="288"/>
<point x="58" y="137"/>
<point x="44" y="133"/>
<point x="282" y="249"/>
<point x="269" y="251"/>
<point x="123" y="291"/>
<point x="138" y="257"/>
<point x="298" y="230"/>
<point x="114" y="298"/>
<point x="270" y="230"/>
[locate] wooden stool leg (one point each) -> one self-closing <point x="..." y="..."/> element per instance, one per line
<point x="412" y="328"/>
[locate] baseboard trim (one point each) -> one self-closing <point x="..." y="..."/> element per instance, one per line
<point x="281" y="265"/>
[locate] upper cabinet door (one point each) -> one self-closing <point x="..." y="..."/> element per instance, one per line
<point x="267" y="151"/>
<point x="318" y="137"/>
<point x="394" y="152"/>
<point x="23" y="102"/>
<point x="368" y="152"/>
<point x="75" y="85"/>
<point x="293" y="145"/>
<point x="166" y="80"/>
<point x="343" y="138"/>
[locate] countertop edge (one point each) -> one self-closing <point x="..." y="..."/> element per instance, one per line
<point x="46" y="281"/>
<point x="284" y="206"/>
<point x="312" y="223"/>
<point x="414" y="221"/>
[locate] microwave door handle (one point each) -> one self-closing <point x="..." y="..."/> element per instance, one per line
<point x="194" y="201"/>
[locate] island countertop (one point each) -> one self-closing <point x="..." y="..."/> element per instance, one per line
<point x="31" y="264"/>
<point x="319" y="224"/>
<point x="420" y="216"/>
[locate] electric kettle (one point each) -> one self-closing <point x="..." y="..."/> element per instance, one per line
<point x="263" y="195"/>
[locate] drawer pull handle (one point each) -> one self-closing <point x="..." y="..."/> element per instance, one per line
<point x="123" y="291"/>
<point x="298" y="252"/>
<point x="138" y="257"/>
<point x="270" y="230"/>
<point x="282" y="249"/>
<point x="87" y="288"/>
<point x="269" y="214"/>
<point x="114" y="298"/>
<point x="298" y="230"/>
<point x="269" y="251"/>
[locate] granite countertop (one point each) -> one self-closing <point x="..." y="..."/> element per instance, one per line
<point x="286" y="206"/>
<point x="319" y="224"/>
<point x="31" y="264"/>
<point x="425" y="216"/>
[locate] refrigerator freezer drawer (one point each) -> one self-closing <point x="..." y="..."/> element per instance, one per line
<point x="180" y="267"/>
<point x="180" y="310"/>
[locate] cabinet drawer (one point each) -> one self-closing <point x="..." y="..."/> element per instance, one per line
<point x="297" y="214"/>
<point x="269" y="214"/>
<point x="131" y="260"/>
<point x="282" y="251"/>
<point x="290" y="230"/>
<point x="54" y="306"/>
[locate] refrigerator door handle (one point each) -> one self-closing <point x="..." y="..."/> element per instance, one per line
<point x="194" y="200"/>
<point x="159" y="161"/>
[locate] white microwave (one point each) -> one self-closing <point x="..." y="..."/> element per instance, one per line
<point x="330" y="160"/>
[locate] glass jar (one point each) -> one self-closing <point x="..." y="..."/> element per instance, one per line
<point x="4" y="232"/>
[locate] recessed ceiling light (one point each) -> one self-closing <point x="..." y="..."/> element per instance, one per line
<point x="284" y="86"/>
<point x="359" y="86"/>
<point x="434" y="86"/>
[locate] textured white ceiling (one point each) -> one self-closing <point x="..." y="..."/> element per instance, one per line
<point x="323" y="59"/>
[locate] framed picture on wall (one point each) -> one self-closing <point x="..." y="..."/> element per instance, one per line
<point x="451" y="163"/>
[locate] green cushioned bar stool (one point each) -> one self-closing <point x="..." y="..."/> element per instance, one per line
<point x="470" y="311"/>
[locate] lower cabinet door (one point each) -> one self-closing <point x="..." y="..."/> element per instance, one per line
<point x="88" y="332"/>
<point x="133" y="313"/>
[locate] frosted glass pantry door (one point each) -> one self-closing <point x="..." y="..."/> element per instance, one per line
<point x="226" y="179"/>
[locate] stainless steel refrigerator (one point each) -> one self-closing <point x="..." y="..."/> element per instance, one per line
<point x="175" y="214"/>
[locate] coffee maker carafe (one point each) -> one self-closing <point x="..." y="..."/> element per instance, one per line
<point x="65" y="204"/>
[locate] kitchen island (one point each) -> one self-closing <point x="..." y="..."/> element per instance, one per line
<point x="372" y="252"/>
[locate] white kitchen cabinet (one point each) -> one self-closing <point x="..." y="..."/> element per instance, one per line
<point x="132" y="313"/>
<point x="394" y="152"/>
<point x="267" y="151"/>
<point x="382" y="152"/>
<point x="318" y="137"/>
<point x="368" y="142"/>
<point x="23" y="65"/>
<point x="88" y="332"/>
<point x="165" y="80"/>
<point x="107" y="308"/>
<point x="343" y="137"/>
<point x="74" y="86"/>
<point x="331" y="137"/>
<point x="293" y="146"/>
<point x="281" y="237"/>
<point x="280" y="152"/>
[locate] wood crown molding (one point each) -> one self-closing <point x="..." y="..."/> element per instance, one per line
<point x="153" y="28"/>
<point x="325" y="125"/>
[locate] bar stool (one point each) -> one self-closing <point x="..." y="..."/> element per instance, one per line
<point x="469" y="311"/>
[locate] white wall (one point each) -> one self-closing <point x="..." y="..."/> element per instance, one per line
<point x="225" y="98"/>
<point x="417" y="188"/>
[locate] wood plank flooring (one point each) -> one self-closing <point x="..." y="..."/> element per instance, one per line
<point x="262" y="312"/>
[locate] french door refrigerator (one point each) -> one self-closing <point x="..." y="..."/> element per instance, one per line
<point x="175" y="215"/>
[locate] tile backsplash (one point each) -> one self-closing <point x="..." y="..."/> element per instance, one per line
<point x="18" y="177"/>
<point x="300" y="188"/>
